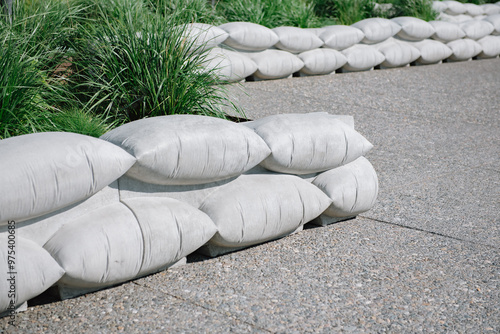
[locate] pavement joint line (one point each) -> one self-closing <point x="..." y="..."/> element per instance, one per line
<point x="429" y="232"/>
<point x="231" y="315"/>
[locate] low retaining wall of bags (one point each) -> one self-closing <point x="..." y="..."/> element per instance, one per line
<point x="83" y="213"/>
<point x="243" y="50"/>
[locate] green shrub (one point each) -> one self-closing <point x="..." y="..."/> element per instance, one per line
<point x="129" y="71"/>
<point x="270" y="13"/>
<point x="20" y="87"/>
<point x="421" y="9"/>
<point x="87" y="66"/>
<point x="187" y="11"/>
<point x="345" y="12"/>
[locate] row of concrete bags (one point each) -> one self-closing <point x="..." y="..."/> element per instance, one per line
<point x="241" y="49"/>
<point x="455" y="11"/>
<point x="91" y="213"/>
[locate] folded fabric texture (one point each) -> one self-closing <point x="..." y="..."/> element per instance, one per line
<point x="260" y="207"/>
<point x="249" y="36"/>
<point x="31" y="272"/>
<point x="296" y="40"/>
<point x="308" y="143"/>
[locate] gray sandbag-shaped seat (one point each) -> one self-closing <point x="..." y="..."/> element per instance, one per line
<point x="454" y="7"/>
<point x="122" y="241"/>
<point x="308" y="143"/>
<point x="256" y="208"/>
<point x="495" y="21"/>
<point x="464" y="49"/>
<point x="377" y="29"/>
<point x="340" y="37"/>
<point x="397" y="53"/>
<point x="431" y="51"/>
<point x="188" y="149"/>
<point x="473" y="10"/>
<point x="353" y="189"/>
<point x="321" y="61"/>
<point x="275" y="64"/>
<point x="446" y="31"/>
<point x="247" y="36"/>
<point x="296" y="40"/>
<point x="477" y="29"/>
<point x="413" y="29"/>
<point x="362" y="57"/>
<point x="490" y="9"/>
<point x="40" y="229"/>
<point x="230" y="66"/>
<point x="44" y="172"/>
<point x="201" y="36"/>
<point x="35" y="271"/>
<point x="490" y="47"/>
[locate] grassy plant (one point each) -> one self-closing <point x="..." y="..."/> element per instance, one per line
<point x="345" y="12"/>
<point x="421" y="9"/>
<point x="20" y="87"/>
<point x="270" y="13"/>
<point x="130" y="71"/>
<point x="187" y="11"/>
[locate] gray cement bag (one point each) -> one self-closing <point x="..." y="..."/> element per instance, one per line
<point x="35" y="271"/>
<point x="44" y="172"/>
<point x="257" y="208"/>
<point x="188" y="149"/>
<point x="125" y="240"/>
<point x="171" y="230"/>
<point x="308" y="143"/>
<point x="42" y="228"/>
<point x="353" y="188"/>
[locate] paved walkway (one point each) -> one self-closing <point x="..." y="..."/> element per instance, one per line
<point x="425" y="258"/>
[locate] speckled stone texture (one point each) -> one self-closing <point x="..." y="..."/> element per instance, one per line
<point x="424" y="259"/>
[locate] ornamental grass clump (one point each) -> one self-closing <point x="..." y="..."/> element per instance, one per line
<point x="140" y="64"/>
<point x="87" y="66"/>
<point x="270" y="13"/>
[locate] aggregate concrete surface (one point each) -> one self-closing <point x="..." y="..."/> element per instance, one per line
<point x="424" y="259"/>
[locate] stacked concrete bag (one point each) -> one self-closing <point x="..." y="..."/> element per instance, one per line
<point x="249" y="51"/>
<point x="468" y="29"/>
<point x="257" y="43"/>
<point x="83" y="213"/>
<point x="44" y="178"/>
<point x="327" y="151"/>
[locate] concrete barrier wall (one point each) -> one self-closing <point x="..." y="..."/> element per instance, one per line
<point x="85" y="213"/>
<point x="248" y="51"/>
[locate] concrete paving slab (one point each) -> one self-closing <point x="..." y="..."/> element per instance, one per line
<point x="463" y="204"/>
<point x="355" y="276"/>
<point x="128" y="308"/>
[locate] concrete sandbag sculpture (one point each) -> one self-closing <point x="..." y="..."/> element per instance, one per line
<point x="126" y="240"/>
<point x="247" y="36"/>
<point x="353" y="189"/>
<point x="188" y="149"/>
<point x="44" y="172"/>
<point x="377" y="29"/>
<point x="32" y="272"/>
<point x="362" y="57"/>
<point x="260" y="207"/>
<point x="321" y="61"/>
<point x="397" y="53"/>
<point x="308" y="143"/>
<point x="339" y="37"/>
<point x="296" y="40"/>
